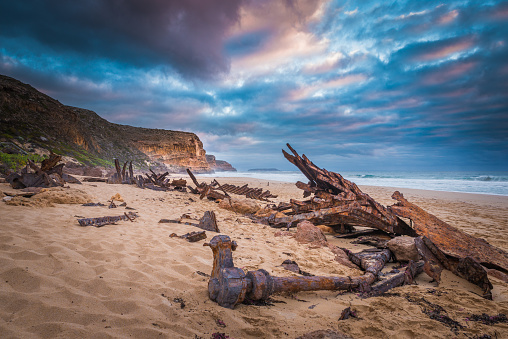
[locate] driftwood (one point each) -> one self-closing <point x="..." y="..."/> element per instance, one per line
<point x="337" y="202"/>
<point x="229" y="285"/>
<point x="108" y="220"/>
<point x="48" y="175"/>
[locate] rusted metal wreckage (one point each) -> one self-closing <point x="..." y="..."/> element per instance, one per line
<point x="152" y="180"/>
<point x="49" y="174"/>
<point x="249" y="192"/>
<point x="229" y="285"/>
<point x="340" y="204"/>
<point x="216" y="191"/>
<point x="336" y="202"/>
<point x="108" y="220"/>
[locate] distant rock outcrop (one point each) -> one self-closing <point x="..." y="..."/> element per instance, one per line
<point x="219" y="165"/>
<point x="34" y="120"/>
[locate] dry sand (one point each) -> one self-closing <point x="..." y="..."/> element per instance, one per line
<point x="60" y="280"/>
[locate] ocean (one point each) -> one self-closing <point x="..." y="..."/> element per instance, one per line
<point x="495" y="183"/>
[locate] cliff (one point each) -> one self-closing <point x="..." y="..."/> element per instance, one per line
<point x="219" y="165"/>
<point x="34" y="120"/>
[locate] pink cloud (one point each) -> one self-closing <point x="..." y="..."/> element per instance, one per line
<point x="446" y="51"/>
<point x="449" y="73"/>
<point x="448" y="17"/>
<point x="310" y="90"/>
<point x="288" y="40"/>
<point x="501" y="13"/>
<point x="323" y="66"/>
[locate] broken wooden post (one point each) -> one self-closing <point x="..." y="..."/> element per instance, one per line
<point x="229" y="285"/>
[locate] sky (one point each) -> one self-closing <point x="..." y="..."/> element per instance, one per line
<point x="354" y="85"/>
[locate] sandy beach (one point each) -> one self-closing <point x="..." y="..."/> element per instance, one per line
<point x="60" y="280"/>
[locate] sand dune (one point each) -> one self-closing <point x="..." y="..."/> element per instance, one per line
<point x="60" y="280"/>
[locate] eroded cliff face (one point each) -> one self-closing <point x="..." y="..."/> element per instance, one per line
<point x="184" y="152"/>
<point x="35" y="118"/>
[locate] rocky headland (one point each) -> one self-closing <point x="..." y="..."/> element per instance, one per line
<point x="34" y="123"/>
<point x="219" y="165"/>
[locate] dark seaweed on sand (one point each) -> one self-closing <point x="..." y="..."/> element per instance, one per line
<point x="435" y="312"/>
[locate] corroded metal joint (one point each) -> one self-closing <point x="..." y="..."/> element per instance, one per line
<point x="227" y="285"/>
<point x="261" y="284"/>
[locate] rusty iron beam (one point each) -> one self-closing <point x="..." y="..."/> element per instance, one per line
<point x="118" y="169"/>
<point x="249" y="192"/>
<point x="108" y="220"/>
<point x="398" y="279"/>
<point x="448" y="239"/>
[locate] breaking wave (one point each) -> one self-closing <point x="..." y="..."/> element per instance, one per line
<point x="467" y="182"/>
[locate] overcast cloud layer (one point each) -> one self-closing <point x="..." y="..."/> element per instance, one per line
<point x="355" y="85"/>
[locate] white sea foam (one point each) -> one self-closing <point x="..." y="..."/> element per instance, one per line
<point x="468" y="182"/>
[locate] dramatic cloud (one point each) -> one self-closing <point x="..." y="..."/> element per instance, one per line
<point x="187" y="35"/>
<point x="355" y="85"/>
